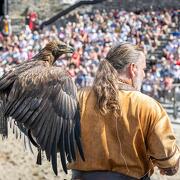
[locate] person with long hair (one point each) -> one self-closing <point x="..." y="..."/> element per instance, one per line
<point x="125" y="133"/>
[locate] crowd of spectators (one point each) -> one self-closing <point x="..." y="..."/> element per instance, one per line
<point x="93" y="34"/>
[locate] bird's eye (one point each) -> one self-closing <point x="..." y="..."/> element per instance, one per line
<point x="62" y="46"/>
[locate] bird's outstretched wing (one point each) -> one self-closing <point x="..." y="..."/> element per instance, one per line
<point x="6" y="83"/>
<point x="44" y="100"/>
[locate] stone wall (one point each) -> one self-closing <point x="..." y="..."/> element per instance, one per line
<point x="44" y="8"/>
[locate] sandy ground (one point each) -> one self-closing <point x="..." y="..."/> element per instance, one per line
<point x="18" y="164"/>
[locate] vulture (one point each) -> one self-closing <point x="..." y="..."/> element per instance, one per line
<point x="42" y="100"/>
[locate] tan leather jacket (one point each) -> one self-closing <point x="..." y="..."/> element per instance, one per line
<point x="142" y="136"/>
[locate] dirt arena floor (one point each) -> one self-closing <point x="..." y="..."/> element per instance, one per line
<point x="18" y="164"/>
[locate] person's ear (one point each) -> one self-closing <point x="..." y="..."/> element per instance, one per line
<point x="132" y="70"/>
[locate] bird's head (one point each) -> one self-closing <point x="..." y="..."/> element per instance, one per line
<point x="58" y="48"/>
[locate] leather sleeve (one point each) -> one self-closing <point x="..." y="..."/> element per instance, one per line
<point x="161" y="142"/>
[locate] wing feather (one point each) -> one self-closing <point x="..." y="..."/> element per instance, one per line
<point x="21" y="110"/>
<point x="33" y="120"/>
<point x="42" y="132"/>
<point x="62" y="149"/>
<point x="72" y="142"/>
<point x="13" y="104"/>
<point x="51" y="137"/>
<point x="47" y="104"/>
<point x="41" y="119"/>
<point x="54" y="153"/>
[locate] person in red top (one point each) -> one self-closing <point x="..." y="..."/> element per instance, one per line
<point x="32" y="17"/>
<point x="76" y="57"/>
<point x="178" y="62"/>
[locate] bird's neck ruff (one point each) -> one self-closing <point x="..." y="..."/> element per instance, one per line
<point x="45" y="55"/>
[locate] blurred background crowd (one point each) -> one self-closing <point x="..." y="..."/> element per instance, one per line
<point x="92" y="30"/>
<point x="93" y="34"/>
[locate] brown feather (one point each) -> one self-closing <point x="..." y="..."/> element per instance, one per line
<point x="43" y="99"/>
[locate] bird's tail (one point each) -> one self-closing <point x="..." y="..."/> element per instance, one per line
<point x="3" y="121"/>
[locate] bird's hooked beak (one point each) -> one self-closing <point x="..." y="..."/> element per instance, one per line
<point x="69" y="49"/>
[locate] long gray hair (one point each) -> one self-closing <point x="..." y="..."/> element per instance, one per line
<point x="107" y="78"/>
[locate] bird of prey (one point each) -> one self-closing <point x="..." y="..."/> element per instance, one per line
<point x="42" y="99"/>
